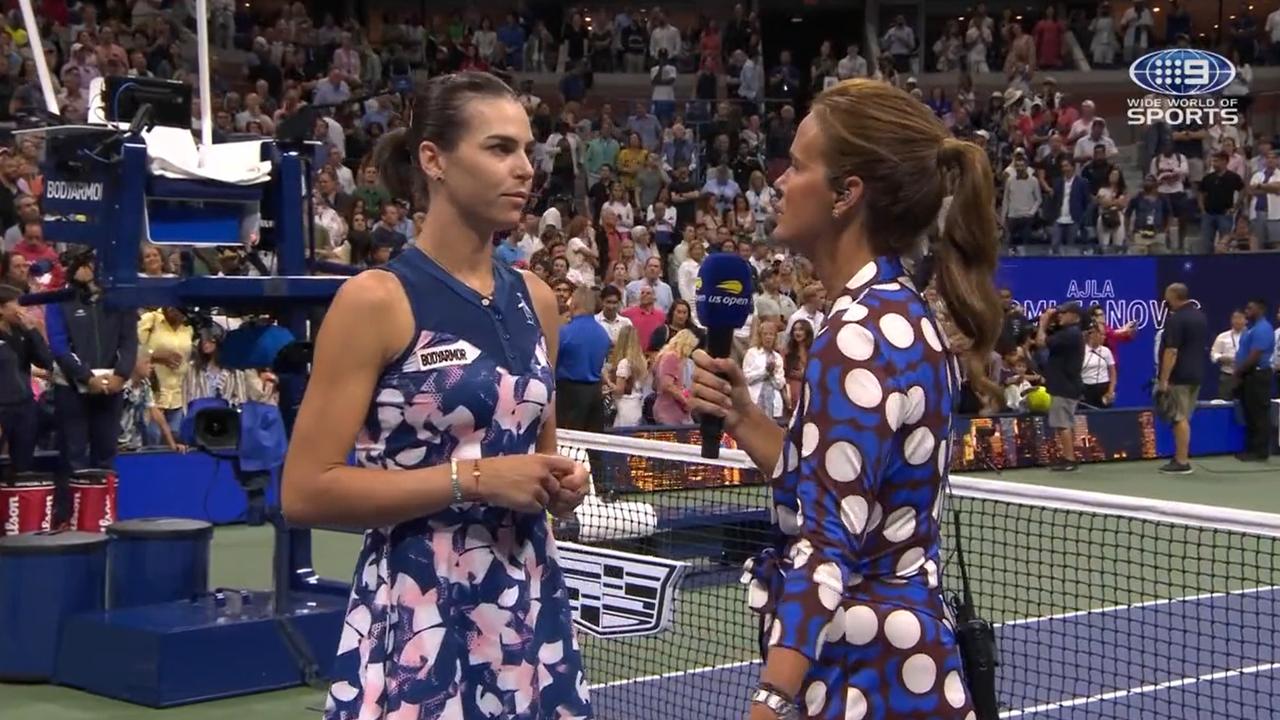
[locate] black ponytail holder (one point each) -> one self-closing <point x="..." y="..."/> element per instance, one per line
<point x="922" y="274"/>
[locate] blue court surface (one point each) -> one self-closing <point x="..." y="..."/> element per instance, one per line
<point x="1209" y="656"/>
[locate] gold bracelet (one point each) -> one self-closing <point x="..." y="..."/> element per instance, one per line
<point x="453" y="478"/>
<point x="475" y="475"/>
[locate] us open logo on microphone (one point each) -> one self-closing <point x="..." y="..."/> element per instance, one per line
<point x="1185" y="86"/>
<point x="733" y="293"/>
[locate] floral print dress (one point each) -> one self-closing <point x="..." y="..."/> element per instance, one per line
<point x="462" y="614"/>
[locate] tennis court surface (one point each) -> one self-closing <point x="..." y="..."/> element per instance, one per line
<point x="1106" y="606"/>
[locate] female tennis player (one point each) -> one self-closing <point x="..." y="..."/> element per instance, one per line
<point x="439" y="368"/>
<point x="853" y="621"/>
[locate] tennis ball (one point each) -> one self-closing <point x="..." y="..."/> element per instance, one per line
<point x="1038" y="400"/>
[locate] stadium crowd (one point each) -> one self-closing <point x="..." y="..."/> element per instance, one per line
<point x="631" y="198"/>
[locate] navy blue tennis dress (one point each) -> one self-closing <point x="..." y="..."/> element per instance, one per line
<point x="462" y="614"/>
<point x="854" y="585"/>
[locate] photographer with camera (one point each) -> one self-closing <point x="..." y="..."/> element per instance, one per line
<point x="1059" y="332"/>
<point x="94" y="349"/>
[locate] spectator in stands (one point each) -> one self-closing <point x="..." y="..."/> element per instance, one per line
<point x="1098" y="373"/>
<point x="1148" y="215"/>
<point x="27" y="209"/>
<point x="852" y="65"/>
<point x="1264" y="203"/>
<point x="141" y="422"/>
<point x="1172" y="170"/>
<point x="663" y="78"/>
<point x="1050" y="35"/>
<point x="40" y="254"/>
<point x="1186" y="332"/>
<point x="1137" y="25"/>
<point x="165" y="337"/>
<point x="584" y="347"/>
<point x="608" y="317"/>
<point x="652" y="280"/>
<point x="762" y="367"/>
<point x="679" y="317"/>
<point x="671" y="404"/>
<point x="1021" y="204"/>
<point x="799" y="342"/>
<point x="813" y="301"/>
<point x="1059" y="332"/>
<point x="748" y="87"/>
<point x="1069" y="203"/>
<point x="899" y="42"/>
<point x="22" y="347"/>
<point x="1221" y="194"/>
<point x="630" y="380"/>
<point x="687" y="274"/>
<point x="1223" y="355"/>
<point x="645" y="315"/>
<point x="1112" y="200"/>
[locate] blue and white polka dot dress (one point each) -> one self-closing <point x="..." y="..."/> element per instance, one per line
<point x="854" y="585"/>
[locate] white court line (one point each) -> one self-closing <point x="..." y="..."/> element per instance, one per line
<point x="1144" y="604"/>
<point x="1022" y="621"/>
<point x="1143" y="689"/>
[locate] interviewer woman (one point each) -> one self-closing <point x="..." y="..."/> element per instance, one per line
<point x="850" y="601"/>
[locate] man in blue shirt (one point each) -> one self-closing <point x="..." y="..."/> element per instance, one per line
<point x="1253" y="371"/>
<point x="584" y="346"/>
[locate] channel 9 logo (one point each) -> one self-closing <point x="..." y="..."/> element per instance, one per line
<point x="1183" y="83"/>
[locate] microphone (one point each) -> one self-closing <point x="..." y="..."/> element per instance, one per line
<point x="724" y="304"/>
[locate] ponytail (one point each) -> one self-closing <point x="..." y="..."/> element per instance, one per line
<point x="398" y="170"/>
<point x="966" y="256"/>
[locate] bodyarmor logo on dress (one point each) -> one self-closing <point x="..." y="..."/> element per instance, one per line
<point x="457" y="353"/>
<point x="619" y="594"/>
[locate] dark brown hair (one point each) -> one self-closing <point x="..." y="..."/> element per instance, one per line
<point x="904" y="156"/>
<point x="439" y="116"/>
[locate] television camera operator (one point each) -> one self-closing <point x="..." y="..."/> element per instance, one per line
<point x="94" y="349"/>
<point x="1059" y="332"/>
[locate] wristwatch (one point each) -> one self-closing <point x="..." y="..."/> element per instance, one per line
<point x="780" y="705"/>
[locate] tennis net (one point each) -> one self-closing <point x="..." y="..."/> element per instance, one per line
<point x="1106" y="606"/>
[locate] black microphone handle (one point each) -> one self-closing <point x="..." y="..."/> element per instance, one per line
<point x="719" y="345"/>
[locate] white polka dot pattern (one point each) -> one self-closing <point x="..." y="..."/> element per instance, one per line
<point x="830" y="585"/>
<point x="775" y="633"/>
<point x="809" y="437"/>
<point x="895" y="409"/>
<point x="919" y="673"/>
<point x="855" y="704"/>
<point x="855" y="312"/>
<point x="865" y="275"/>
<point x="815" y="697"/>
<point x="897" y="330"/>
<point x="887" y="287"/>
<point x="863" y="388"/>
<point x="931" y="573"/>
<point x="877" y="514"/>
<point x="953" y="689"/>
<point x="930" y="334"/>
<point x="855" y="342"/>
<point x="757" y="595"/>
<point x="860" y="625"/>
<point x="788" y="520"/>
<point x="915" y="407"/>
<point x="853" y="513"/>
<point x="800" y="552"/>
<point x="910" y="562"/>
<point x="902" y="629"/>
<point x="944" y="455"/>
<point x="900" y="525"/>
<point x="842" y="303"/>
<point x="843" y="462"/>
<point x="918" y="447"/>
